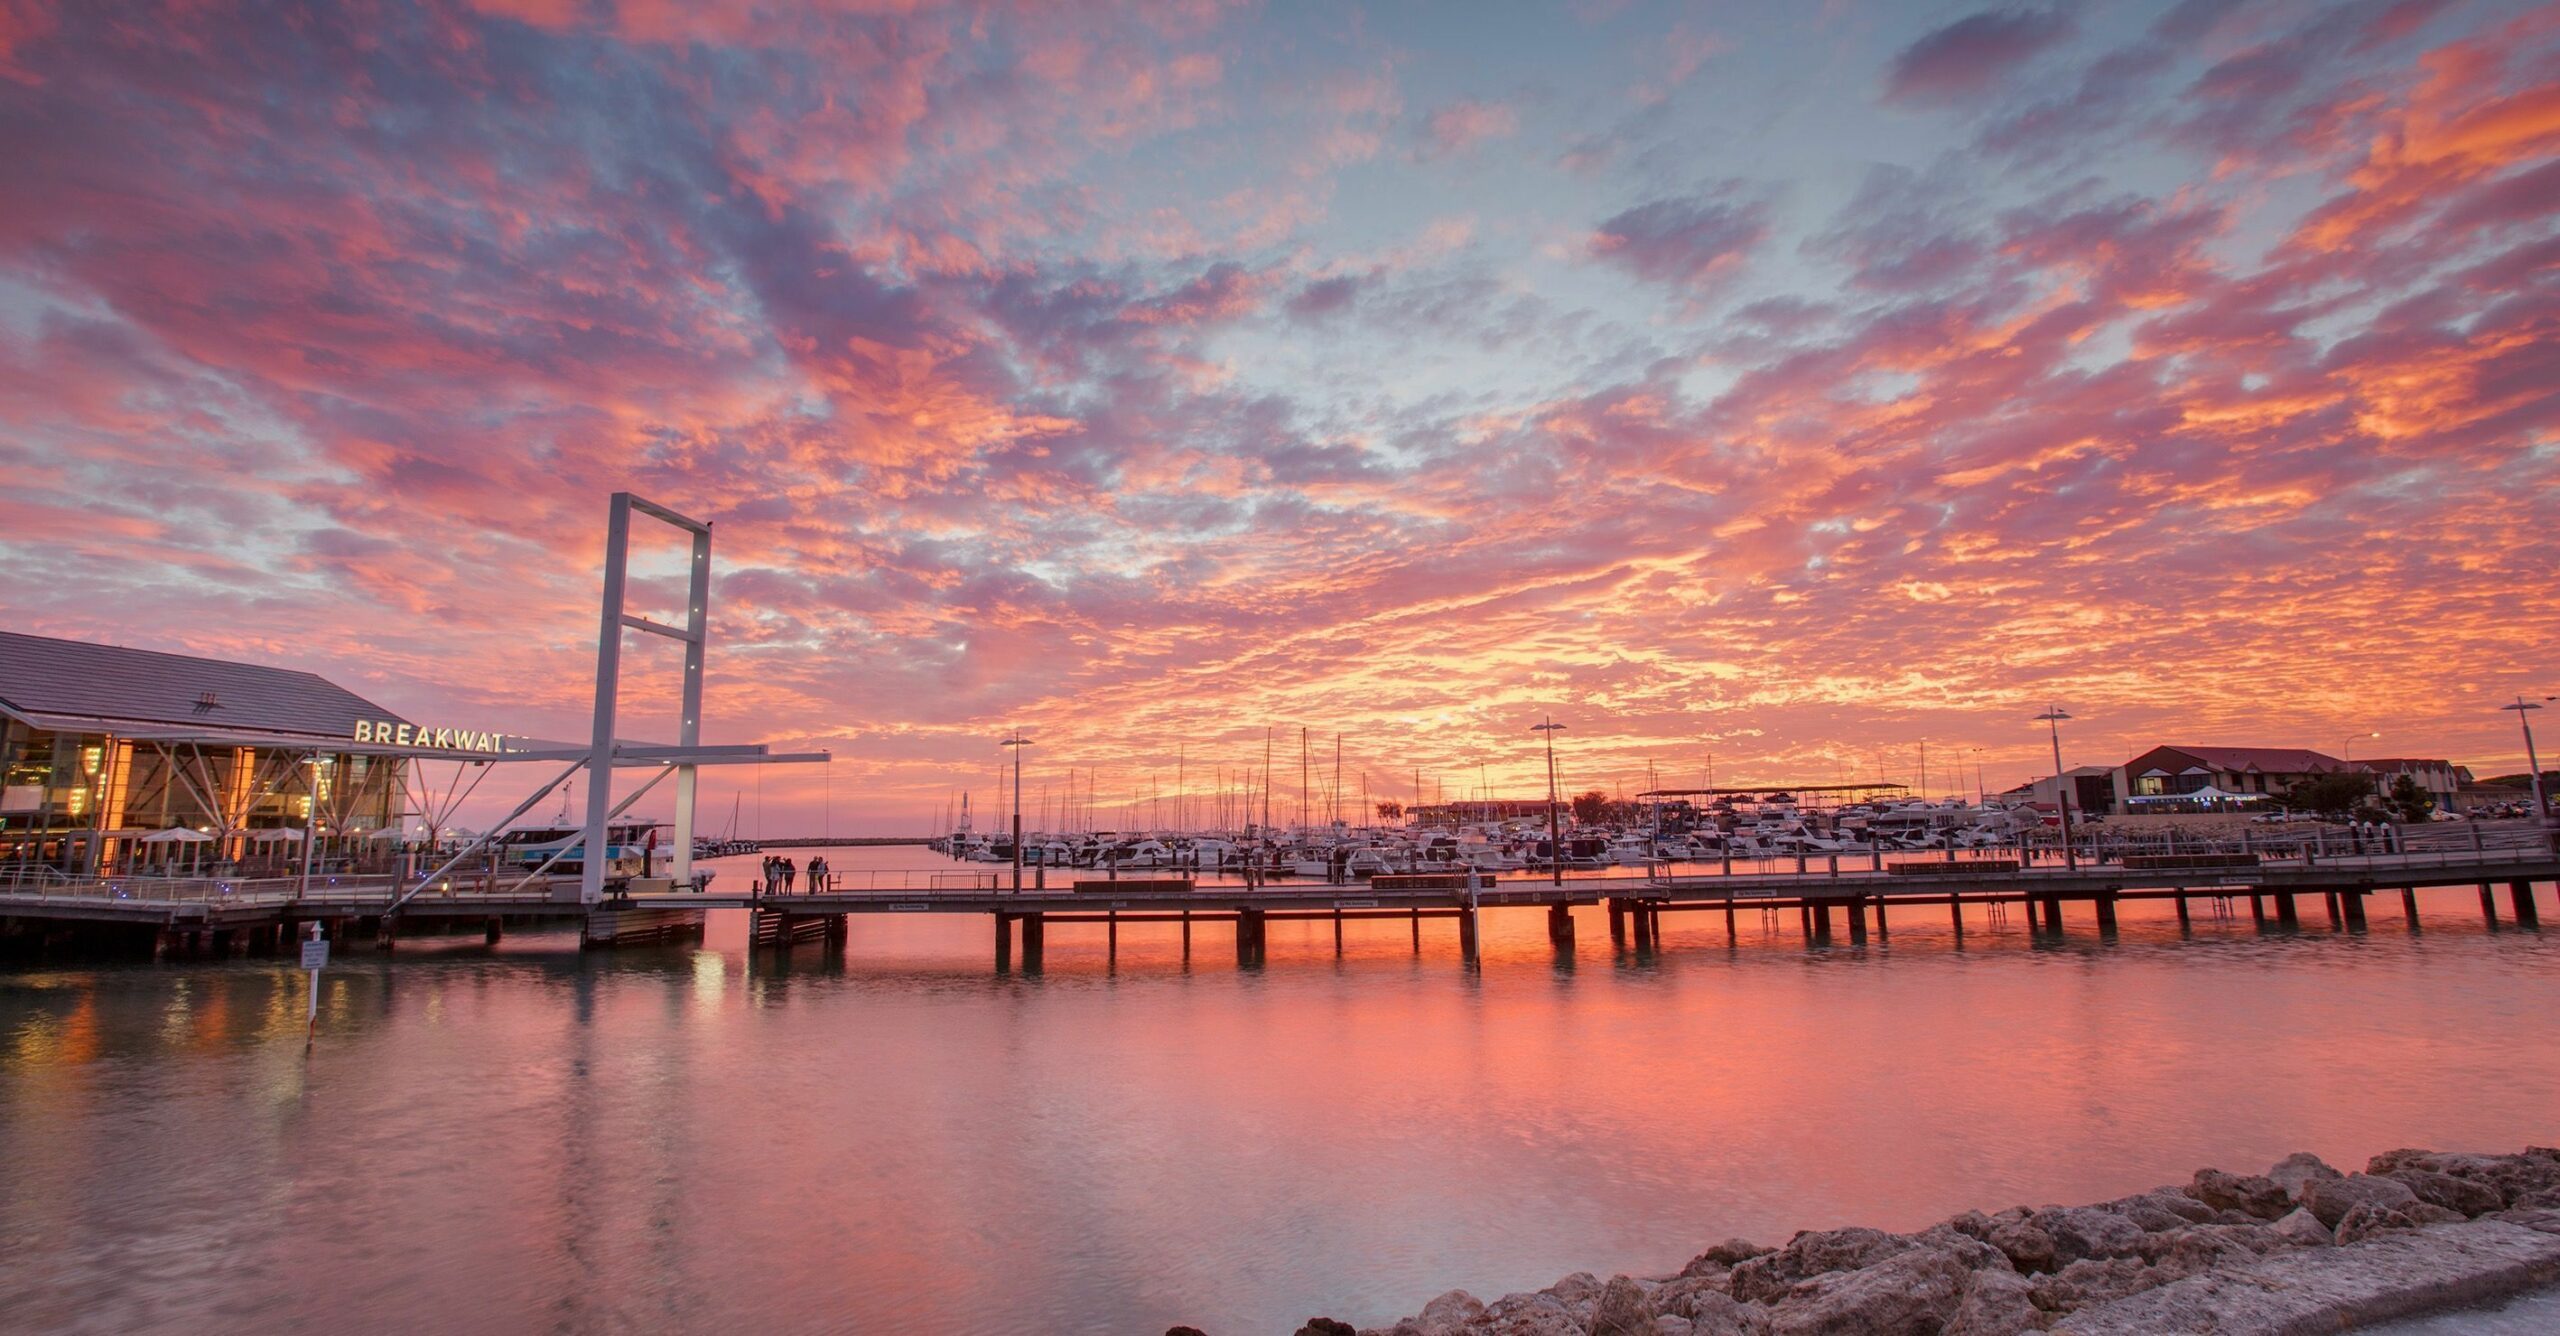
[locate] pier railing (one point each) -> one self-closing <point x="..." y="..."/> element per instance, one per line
<point x="2207" y="862"/>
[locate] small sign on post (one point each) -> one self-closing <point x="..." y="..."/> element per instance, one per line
<point x="315" y="957"/>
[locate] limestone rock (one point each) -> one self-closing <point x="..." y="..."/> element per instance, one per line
<point x="1912" y="1293"/>
<point x="2366" y="1219"/>
<point x="2304" y="1290"/>
<point x="1731" y="1252"/>
<point x="2303" y="1229"/>
<point x="1529" y="1315"/>
<point x="2512" y="1176"/>
<point x="1577" y="1290"/>
<point x="2094" y="1281"/>
<point x="1813" y="1253"/>
<point x="1997" y="1303"/>
<point x="2331" y="1198"/>
<point x="1973" y="1252"/>
<point x="2026" y="1245"/>
<point x="1549" y="1319"/>
<point x="2086" y="1231"/>
<point x="2469" y="1196"/>
<point x="2253" y="1194"/>
<point x="1712" y="1313"/>
<point x="1622" y="1310"/>
<point x="2207" y="1246"/>
<point x="1973" y="1225"/>
<point x="2298" y="1170"/>
<point x="1450" y="1311"/>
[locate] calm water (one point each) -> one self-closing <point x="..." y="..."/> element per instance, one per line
<point x="900" y="1140"/>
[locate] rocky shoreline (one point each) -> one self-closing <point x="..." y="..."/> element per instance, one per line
<point x="2300" y="1248"/>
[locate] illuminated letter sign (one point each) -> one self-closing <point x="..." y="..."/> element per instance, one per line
<point x="392" y="732"/>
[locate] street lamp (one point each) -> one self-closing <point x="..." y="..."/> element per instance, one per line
<point x="1555" y="834"/>
<point x="2052" y="718"/>
<point x="2351" y="764"/>
<point x="1017" y="742"/>
<point x="1981" y="791"/>
<point x="2532" y="761"/>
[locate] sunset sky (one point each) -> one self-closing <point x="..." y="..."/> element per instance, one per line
<point x="1783" y="383"/>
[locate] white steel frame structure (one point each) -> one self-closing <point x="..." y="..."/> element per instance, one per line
<point x="617" y="557"/>
<point x="604" y="753"/>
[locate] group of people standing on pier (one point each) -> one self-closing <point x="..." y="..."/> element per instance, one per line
<point x="780" y="873"/>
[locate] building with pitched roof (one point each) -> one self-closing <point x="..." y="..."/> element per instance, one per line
<point x="103" y="748"/>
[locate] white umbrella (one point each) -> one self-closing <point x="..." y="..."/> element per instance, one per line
<point x="274" y="834"/>
<point x="384" y="833"/>
<point x="177" y="835"/>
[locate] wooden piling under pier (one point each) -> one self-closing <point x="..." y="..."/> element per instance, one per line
<point x="2520" y="901"/>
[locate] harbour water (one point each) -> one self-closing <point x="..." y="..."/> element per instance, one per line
<point x="899" y="1139"/>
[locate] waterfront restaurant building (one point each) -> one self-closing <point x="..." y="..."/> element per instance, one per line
<point x="116" y="760"/>
<point x="2192" y="778"/>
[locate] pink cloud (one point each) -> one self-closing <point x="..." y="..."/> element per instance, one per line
<point x="1461" y="126"/>
<point x="1969" y="56"/>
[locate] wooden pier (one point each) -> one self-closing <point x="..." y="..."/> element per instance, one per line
<point x="1830" y="903"/>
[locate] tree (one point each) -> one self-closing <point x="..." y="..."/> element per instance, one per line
<point x="1591" y="808"/>
<point x="2331" y="795"/>
<point x="2408" y="802"/>
<point x="1391" y="810"/>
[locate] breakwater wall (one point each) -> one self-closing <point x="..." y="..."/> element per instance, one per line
<point x="2300" y="1248"/>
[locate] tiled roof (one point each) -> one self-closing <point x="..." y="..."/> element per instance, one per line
<point x="2266" y="760"/>
<point x="112" y="684"/>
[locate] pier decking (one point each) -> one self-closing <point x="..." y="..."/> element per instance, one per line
<point x="1830" y="896"/>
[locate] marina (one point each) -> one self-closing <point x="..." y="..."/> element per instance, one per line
<point x="1489" y="1125"/>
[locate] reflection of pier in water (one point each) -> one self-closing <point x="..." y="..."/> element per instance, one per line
<point x="1830" y="899"/>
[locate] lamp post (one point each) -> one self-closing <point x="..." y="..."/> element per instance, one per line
<point x="1981" y="792"/>
<point x="1017" y="742"/>
<point x="2532" y="761"/>
<point x="2351" y="766"/>
<point x="2052" y="718"/>
<point x="1555" y="833"/>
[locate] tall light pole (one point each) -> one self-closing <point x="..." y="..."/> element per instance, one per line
<point x="1981" y="792"/>
<point x="2052" y="718"/>
<point x="2532" y="760"/>
<point x="1555" y="833"/>
<point x="2351" y="763"/>
<point x="1017" y="742"/>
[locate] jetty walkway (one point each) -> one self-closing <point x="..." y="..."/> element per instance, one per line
<point x="1831" y="896"/>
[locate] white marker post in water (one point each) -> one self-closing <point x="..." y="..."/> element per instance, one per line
<point x="315" y="957"/>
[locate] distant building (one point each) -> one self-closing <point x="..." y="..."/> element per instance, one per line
<point x="2441" y="780"/>
<point x="1490" y="809"/>
<point x="2093" y="791"/>
<point x="103" y="748"/>
<point x="2203" y="778"/>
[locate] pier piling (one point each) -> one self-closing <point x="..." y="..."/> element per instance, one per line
<point x="2489" y="905"/>
<point x="2520" y="900"/>
<point x="2409" y="905"/>
<point x="1034" y="935"/>
<point x="1004" y="942"/>
<point x="2288" y="915"/>
<point x="2351" y="899"/>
